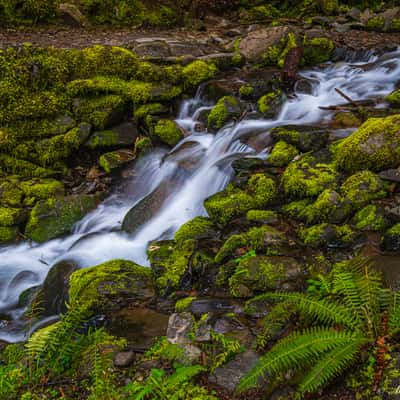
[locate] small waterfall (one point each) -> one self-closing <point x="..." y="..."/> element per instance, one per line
<point x="199" y="166"/>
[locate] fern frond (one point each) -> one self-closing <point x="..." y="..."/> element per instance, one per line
<point x="331" y="365"/>
<point x="296" y="352"/>
<point x="344" y="286"/>
<point x="183" y="374"/>
<point x="324" y="311"/>
<point x="394" y="319"/>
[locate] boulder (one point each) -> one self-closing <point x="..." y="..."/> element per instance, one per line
<point x="71" y="15"/>
<point x="116" y="159"/>
<point x="118" y="136"/>
<point x="391" y="239"/>
<point x="56" y="216"/>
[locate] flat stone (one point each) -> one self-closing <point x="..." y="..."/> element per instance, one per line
<point x="124" y="359"/>
<point x="392" y="175"/>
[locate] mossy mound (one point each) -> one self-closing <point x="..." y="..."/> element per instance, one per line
<point x="197" y="228"/>
<point x="370" y="218"/>
<point x="197" y="72"/>
<point x="168" y="132"/>
<point x="282" y="154"/>
<point x="234" y="202"/>
<point x="308" y="178"/>
<point x="328" y="235"/>
<point x="317" y="50"/>
<point x="262" y="216"/>
<point x="226" y="109"/>
<point x="106" y="285"/>
<point x="363" y="187"/>
<point x="261" y="273"/>
<point x="56" y="216"/>
<point x="270" y="104"/>
<point x="375" y="146"/>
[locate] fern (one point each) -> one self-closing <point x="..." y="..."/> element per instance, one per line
<point x="394" y="320"/>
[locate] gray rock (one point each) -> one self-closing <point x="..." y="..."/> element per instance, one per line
<point x="71" y="15"/>
<point x="392" y="175"/>
<point x="229" y="375"/>
<point x="124" y="359"/>
<point x="179" y="326"/>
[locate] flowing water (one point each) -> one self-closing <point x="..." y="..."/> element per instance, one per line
<point x="199" y="166"/>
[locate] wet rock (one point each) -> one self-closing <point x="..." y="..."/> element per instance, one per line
<point x="153" y="49"/>
<point x="144" y="210"/>
<point x="229" y="375"/>
<point x="116" y="159"/>
<point x="56" y="217"/>
<point x="180" y="325"/>
<point x="345" y="120"/>
<point x="305" y="138"/>
<point x="53" y="295"/>
<point x="71" y="15"/>
<point x="199" y="307"/>
<point x="392" y="175"/>
<point x="258" y="42"/>
<point x="111" y="286"/>
<point x="227" y="109"/>
<point x="391" y="239"/>
<point x="354" y="14"/>
<point x="124" y="359"/>
<point x="168" y="132"/>
<point x="121" y="135"/>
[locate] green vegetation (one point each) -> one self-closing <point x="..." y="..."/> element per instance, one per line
<point x="226" y="109"/>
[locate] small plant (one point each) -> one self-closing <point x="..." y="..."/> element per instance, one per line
<point x="353" y="310"/>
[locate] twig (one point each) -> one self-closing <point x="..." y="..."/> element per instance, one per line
<point x="349" y="99"/>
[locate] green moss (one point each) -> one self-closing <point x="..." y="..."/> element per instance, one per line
<point x="12" y="165"/>
<point x="317" y="50"/>
<point x="375" y="146"/>
<point x="246" y="90"/>
<point x="394" y="98"/>
<point x="115" y="159"/>
<point x="56" y="216"/>
<point x="143" y="145"/>
<point x="291" y="43"/>
<point x="149" y="109"/>
<point x="326" y="234"/>
<point x="170" y="261"/>
<point x="376" y="23"/>
<point x="101" y="112"/>
<point x="394" y="230"/>
<point x="41" y="189"/>
<point x="8" y="234"/>
<point x="265" y="217"/>
<point x="197" y="228"/>
<point x="363" y="187"/>
<point x="184" y="304"/>
<point x="10" y="194"/>
<point x="297" y="209"/>
<point x="10" y="216"/>
<point x="95" y="286"/>
<point x="269" y="103"/>
<point x="282" y="154"/>
<point x="234" y="202"/>
<point x="395" y="25"/>
<point x="226" y="108"/>
<point x="168" y="132"/>
<point x="197" y="72"/>
<point x="369" y="219"/>
<point x="307" y="178"/>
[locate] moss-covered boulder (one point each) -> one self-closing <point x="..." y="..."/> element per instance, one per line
<point x="270" y="104"/>
<point x="262" y="216"/>
<point x="226" y="109"/>
<point x="391" y="239"/>
<point x="234" y="202"/>
<point x="282" y="154"/>
<point x="305" y="138"/>
<point x="11" y="216"/>
<point x="197" y="228"/>
<point x="363" y="187"/>
<point x="258" y="239"/>
<point x="10" y="193"/>
<point x="318" y="48"/>
<point x="262" y="273"/>
<point x="56" y="216"/>
<point x="8" y="234"/>
<point x="40" y="189"/>
<point x="375" y="146"/>
<point x="198" y="71"/>
<point x="308" y="178"/>
<point x="115" y="159"/>
<point x="370" y="218"/>
<point x="121" y="135"/>
<point x="111" y="285"/>
<point x="328" y="235"/>
<point x="168" y="132"/>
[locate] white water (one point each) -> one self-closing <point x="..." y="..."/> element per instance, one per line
<point x="97" y="238"/>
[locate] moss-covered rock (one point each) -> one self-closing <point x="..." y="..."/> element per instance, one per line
<point x="308" y="178"/>
<point x="197" y="228"/>
<point x="115" y="159"/>
<point x="168" y="132"/>
<point x="226" y="109"/>
<point x="344" y="119"/>
<point x="262" y="216"/>
<point x="110" y="285"/>
<point x="376" y="23"/>
<point x="363" y="187"/>
<point x="305" y="138"/>
<point x="11" y="216"/>
<point x="394" y="98"/>
<point x="169" y="261"/>
<point x="8" y="234"/>
<point x="197" y="72"/>
<point x="375" y="146"/>
<point x="262" y="273"/>
<point x="56" y="216"/>
<point x="270" y="104"/>
<point x="317" y="50"/>
<point x="370" y="218"/>
<point x="234" y="202"/>
<point x="282" y="154"/>
<point x="41" y="189"/>
<point x="10" y="193"/>
<point x="391" y="239"/>
<point x="328" y="235"/>
<point x="258" y="239"/>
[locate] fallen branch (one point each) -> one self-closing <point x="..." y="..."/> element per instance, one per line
<point x="349" y="99"/>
